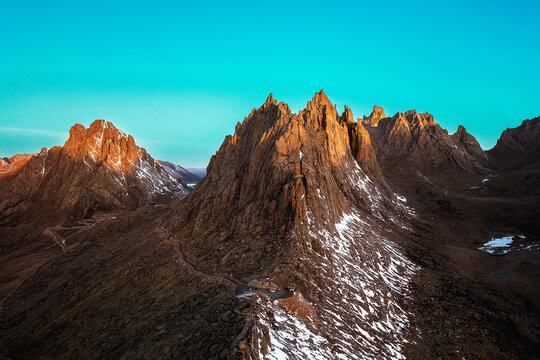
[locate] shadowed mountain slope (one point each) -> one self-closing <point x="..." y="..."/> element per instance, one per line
<point x="518" y="148"/>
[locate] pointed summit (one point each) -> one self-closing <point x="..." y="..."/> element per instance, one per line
<point x="318" y="100"/>
<point x="270" y="101"/>
<point x="518" y="148"/>
<point x="376" y="115"/>
<point x="347" y="115"/>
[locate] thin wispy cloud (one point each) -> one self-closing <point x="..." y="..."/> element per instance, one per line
<point x="31" y="132"/>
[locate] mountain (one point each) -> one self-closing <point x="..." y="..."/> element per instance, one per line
<point x="377" y="114"/>
<point x="287" y="202"/>
<point x="179" y="172"/>
<point x="518" y="148"/>
<point x="99" y="168"/>
<point x="200" y="172"/>
<point x="300" y="200"/>
<point x="312" y="236"/>
<point x="415" y="138"/>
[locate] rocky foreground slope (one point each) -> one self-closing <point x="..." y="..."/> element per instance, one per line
<point x="375" y="224"/>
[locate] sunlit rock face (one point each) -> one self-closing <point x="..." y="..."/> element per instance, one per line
<point x="376" y="115"/>
<point x="98" y="168"/>
<point x="417" y="139"/>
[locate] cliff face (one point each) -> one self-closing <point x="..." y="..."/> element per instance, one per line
<point x="97" y="168"/>
<point x="518" y="148"/>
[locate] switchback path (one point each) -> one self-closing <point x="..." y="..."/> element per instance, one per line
<point x="241" y="290"/>
<point x="59" y="240"/>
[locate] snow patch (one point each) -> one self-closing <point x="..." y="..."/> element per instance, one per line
<point x="362" y="286"/>
<point x="504" y="244"/>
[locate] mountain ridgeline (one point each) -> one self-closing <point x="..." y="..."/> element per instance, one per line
<point x="312" y="236"/>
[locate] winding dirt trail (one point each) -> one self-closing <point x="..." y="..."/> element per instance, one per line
<point x="58" y="239"/>
<point x="241" y="290"/>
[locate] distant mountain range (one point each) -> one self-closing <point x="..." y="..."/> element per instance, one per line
<point x="181" y="173"/>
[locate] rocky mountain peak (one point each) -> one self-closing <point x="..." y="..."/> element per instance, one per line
<point x="98" y="167"/>
<point x="376" y="115"/>
<point x="415" y="120"/>
<point x="13" y="163"/>
<point x="270" y="101"/>
<point x="347" y="115"/>
<point x="277" y="194"/>
<point x="103" y="142"/>
<point x="320" y="104"/>
<point x="416" y="138"/>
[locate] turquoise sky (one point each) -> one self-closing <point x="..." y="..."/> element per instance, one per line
<point x="178" y="76"/>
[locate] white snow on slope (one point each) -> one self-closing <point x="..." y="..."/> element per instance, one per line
<point x="157" y="180"/>
<point x="362" y="288"/>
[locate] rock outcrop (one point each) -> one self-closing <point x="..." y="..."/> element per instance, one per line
<point x="5" y="166"/>
<point x="470" y="145"/>
<point x="14" y="162"/>
<point x="97" y="168"/>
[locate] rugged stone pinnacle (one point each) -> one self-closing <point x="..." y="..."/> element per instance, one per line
<point x="377" y="114"/>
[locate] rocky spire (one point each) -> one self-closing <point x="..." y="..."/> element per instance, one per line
<point x="376" y="115"/>
<point x="275" y="195"/>
<point x="347" y="115"/>
<point x="270" y="101"/>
